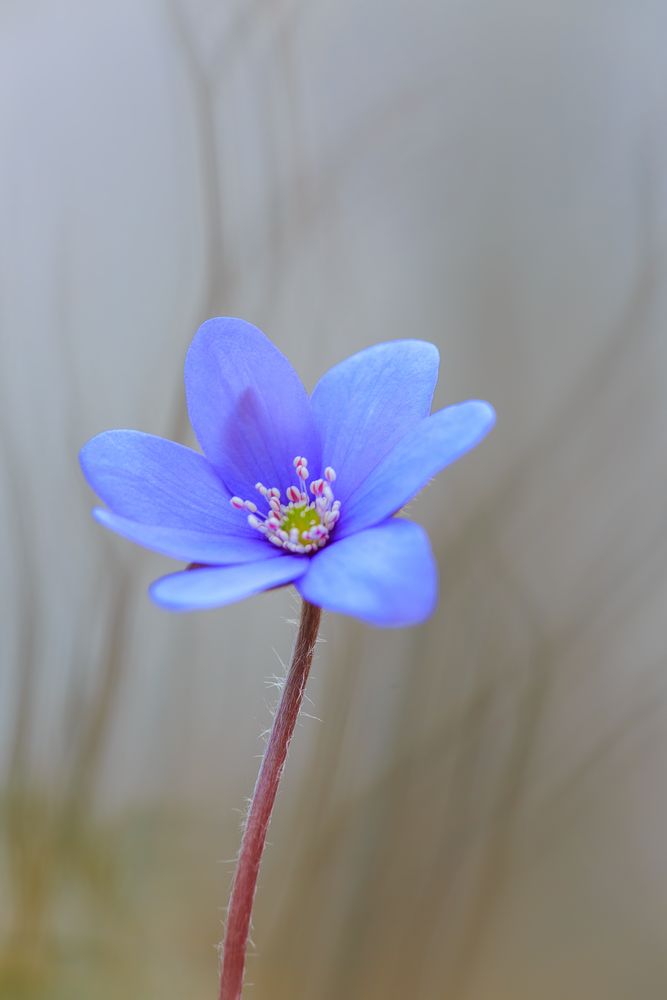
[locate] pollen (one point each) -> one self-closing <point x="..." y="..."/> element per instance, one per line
<point x="299" y="524"/>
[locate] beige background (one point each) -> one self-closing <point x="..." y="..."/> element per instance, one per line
<point x="477" y="808"/>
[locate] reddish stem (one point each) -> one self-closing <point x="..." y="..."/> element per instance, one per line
<point x="259" y="815"/>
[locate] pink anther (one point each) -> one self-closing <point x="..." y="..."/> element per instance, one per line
<point x="273" y="524"/>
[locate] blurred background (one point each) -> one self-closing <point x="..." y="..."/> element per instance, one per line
<point x="474" y="809"/>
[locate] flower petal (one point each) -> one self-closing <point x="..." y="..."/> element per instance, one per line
<point x="201" y="589"/>
<point x="364" y="405"/>
<point x="248" y="408"/>
<point x="153" y="481"/>
<point x="188" y="545"/>
<point x="386" y="575"/>
<point x="433" y="444"/>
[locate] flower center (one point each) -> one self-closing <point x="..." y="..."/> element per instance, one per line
<point x="299" y="525"/>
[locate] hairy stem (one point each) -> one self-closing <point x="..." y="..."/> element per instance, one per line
<point x="259" y="815"/>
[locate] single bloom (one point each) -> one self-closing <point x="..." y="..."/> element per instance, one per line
<point x="290" y="488"/>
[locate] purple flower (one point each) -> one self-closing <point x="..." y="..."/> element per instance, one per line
<point x="291" y="488"/>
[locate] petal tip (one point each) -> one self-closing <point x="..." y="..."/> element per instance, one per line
<point x="99" y="514"/>
<point x="157" y="594"/>
<point x="488" y="414"/>
<point x="87" y="454"/>
<point x="224" y="326"/>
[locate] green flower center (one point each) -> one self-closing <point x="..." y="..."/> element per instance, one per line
<point x="301" y="517"/>
<point x="299" y="525"/>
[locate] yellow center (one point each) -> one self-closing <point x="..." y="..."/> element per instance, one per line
<point x="303" y="518"/>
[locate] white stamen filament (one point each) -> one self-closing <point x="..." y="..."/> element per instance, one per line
<point x="276" y="524"/>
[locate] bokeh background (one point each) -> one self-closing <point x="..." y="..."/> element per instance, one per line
<point x="474" y="809"/>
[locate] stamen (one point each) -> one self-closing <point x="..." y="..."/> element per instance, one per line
<point x="298" y="525"/>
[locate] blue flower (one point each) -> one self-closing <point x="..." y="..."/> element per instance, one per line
<point x="291" y="488"/>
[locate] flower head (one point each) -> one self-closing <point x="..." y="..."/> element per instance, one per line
<point x="291" y="488"/>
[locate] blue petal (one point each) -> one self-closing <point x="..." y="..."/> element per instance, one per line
<point x="365" y="405"/>
<point x="147" y="479"/>
<point x="201" y="589"/>
<point x="386" y="575"/>
<point x="248" y="408"/>
<point x="434" y="443"/>
<point x="189" y="545"/>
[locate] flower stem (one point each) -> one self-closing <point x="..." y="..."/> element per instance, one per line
<point x="259" y="815"/>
